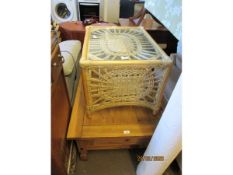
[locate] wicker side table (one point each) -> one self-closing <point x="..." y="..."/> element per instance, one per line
<point x="123" y="66"/>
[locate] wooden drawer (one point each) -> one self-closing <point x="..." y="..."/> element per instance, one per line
<point x="110" y="143"/>
<point x="114" y="143"/>
<point x="120" y="141"/>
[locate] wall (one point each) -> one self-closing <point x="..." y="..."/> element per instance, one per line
<point x="111" y="10"/>
<point x="169" y="13"/>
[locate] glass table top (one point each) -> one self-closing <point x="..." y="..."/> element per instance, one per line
<point x="121" y="44"/>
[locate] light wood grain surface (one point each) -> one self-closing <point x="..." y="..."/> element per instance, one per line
<point x="111" y="122"/>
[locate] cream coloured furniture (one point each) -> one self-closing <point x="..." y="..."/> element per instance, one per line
<point x="70" y="50"/>
<point x="122" y="66"/>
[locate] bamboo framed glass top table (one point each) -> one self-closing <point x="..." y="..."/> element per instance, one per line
<point x="123" y="66"/>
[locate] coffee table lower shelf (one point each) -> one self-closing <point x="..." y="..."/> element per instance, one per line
<point x="114" y="128"/>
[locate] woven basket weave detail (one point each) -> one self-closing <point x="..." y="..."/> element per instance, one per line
<point x="124" y="85"/>
<point x="123" y="66"/>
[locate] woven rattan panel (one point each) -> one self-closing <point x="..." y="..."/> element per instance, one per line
<point x="122" y="66"/>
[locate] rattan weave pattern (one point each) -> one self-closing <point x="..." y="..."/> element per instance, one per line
<point x="124" y="85"/>
<point x="126" y="74"/>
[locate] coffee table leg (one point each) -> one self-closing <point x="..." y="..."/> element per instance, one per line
<point x="82" y="151"/>
<point x="83" y="154"/>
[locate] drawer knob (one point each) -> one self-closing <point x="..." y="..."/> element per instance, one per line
<point x="61" y="57"/>
<point x="55" y="64"/>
